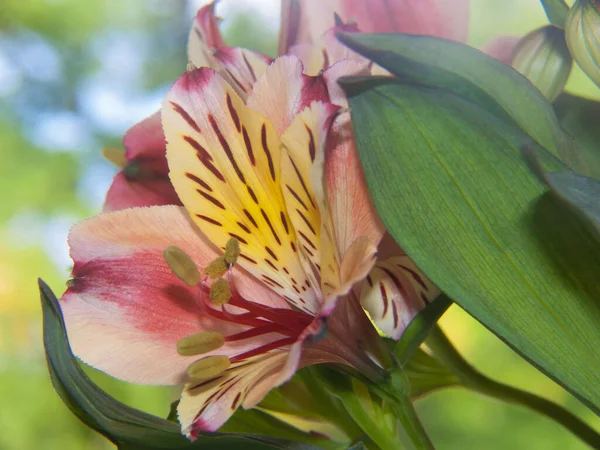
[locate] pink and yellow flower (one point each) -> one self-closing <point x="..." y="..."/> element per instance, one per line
<point x="277" y="215"/>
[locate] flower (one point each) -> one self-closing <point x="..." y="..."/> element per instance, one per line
<point x="259" y="273"/>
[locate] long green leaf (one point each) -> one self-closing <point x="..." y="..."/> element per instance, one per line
<point x="474" y="76"/>
<point x="451" y="186"/>
<point x="126" y="427"/>
<point x="580" y="118"/>
<point x="580" y="193"/>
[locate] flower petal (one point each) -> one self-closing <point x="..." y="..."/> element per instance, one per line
<point x="501" y="48"/>
<point x="124" y="308"/>
<point x="304" y="142"/>
<point x="447" y="19"/>
<point x="144" y="180"/>
<point x="350" y="203"/>
<point x="304" y="22"/>
<point x="206" y="405"/>
<point x="224" y="161"/>
<point x="206" y="48"/>
<point x="283" y="91"/>
<point x="394" y="293"/>
<point x="204" y="37"/>
<point x="142" y="191"/>
<point x="327" y="51"/>
<point x="240" y="67"/>
<point x="442" y="18"/>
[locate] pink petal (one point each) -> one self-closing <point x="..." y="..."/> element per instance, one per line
<point x="144" y="181"/>
<point x="204" y="37"/>
<point x="124" y="308"/>
<point x="128" y="193"/>
<point x="447" y="19"/>
<point x="146" y="139"/>
<point x="501" y="48"/>
<point x="306" y="20"/>
<point x="326" y="51"/>
<point x="283" y="91"/>
<point x="394" y="293"/>
<point x="241" y="68"/>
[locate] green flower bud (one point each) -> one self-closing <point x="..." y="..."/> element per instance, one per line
<point x="582" y="29"/>
<point x="543" y="57"/>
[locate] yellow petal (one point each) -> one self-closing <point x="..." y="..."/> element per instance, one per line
<point x="224" y="162"/>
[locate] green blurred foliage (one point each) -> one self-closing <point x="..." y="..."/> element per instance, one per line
<point x="44" y="185"/>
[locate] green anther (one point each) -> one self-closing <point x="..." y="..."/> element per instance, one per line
<point x="200" y="343"/>
<point x="220" y="292"/>
<point x="232" y="251"/>
<point x="182" y="265"/>
<point x="208" y="367"/>
<point x="217" y="268"/>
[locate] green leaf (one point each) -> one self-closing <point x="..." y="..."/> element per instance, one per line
<point x="419" y="328"/>
<point x="580" y="118"/>
<point x="426" y="374"/>
<point x="450" y="184"/>
<point x="580" y="193"/>
<point x="474" y="76"/>
<point x="126" y="427"/>
<point x="556" y="10"/>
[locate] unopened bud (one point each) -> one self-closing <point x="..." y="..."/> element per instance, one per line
<point x="182" y="265"/>
<point x="543" y="57"/>
<point x="582" y="30"/>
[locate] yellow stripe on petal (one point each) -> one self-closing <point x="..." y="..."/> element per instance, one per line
<point x="224" y="162"/>
<point x="303" y="188"/>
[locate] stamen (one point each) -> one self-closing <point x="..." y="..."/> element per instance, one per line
<point x="217" y="268"/>
<point x="182" y="265"/>
<point x="208" y="367"/>
<point x="220" y="292"/>
<point x="200" y="343"/>
<point x="232" y="251"/>
<point x="115" y="156"/>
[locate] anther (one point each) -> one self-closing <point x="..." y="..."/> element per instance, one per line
<point x="115" y="156"/>
<point x="208" y="367"/>
<point x="200" y="343"/>
<point x="217" y="268"/>
<point x="232" y="251"/>
<point x="220" y="292"/>
<point x="182" y="265"/>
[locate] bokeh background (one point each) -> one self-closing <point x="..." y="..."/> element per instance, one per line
<point x="74" y="75"/>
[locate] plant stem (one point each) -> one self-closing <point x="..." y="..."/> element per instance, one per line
<point x="476" y="381"/>
<point x="411" y="432"/>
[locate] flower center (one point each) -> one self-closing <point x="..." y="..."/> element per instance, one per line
<point x="219" y="298"/>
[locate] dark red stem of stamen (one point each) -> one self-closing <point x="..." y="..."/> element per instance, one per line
<point x="263" y="349"/>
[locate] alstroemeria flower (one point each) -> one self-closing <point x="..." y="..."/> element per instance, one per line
<point x="264" y="154"/>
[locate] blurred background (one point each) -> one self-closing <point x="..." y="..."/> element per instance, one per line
<point x="74" y="76"/>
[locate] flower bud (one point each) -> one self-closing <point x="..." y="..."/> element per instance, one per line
<point x="582" y="29"/>
<point x="543" y="57"/>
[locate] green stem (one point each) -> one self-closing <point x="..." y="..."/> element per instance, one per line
<point x="411" y="432"/>
<point x="475" y="380"/>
